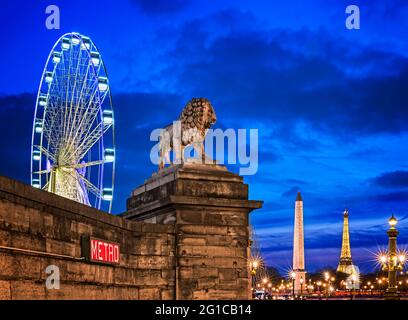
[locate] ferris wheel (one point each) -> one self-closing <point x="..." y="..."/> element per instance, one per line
<point x="73" y="143"/>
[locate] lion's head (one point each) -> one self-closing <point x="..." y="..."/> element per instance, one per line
<point x="198" y="113"/>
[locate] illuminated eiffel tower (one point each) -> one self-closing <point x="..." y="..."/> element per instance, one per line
<point x="345" y="257"/>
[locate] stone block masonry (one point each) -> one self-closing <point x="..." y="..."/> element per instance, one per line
<point x="185" y="236"/>
<point x="209" y="209"/>
<point x="39" y="229"/>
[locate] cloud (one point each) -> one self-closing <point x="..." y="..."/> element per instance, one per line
<point x="16" y="114"/>
<point x="291" y="192"/>
<point x="393" y="179"/>
<point x="397" y="196"/>
<point x="157" y="7"/>
<point x="335" y="85"/>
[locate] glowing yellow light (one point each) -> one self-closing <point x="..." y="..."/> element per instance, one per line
<point x="293" y="274"/>
<point x="392" y="221"/>
<point x="383" y="258"/>
<point x="402" y="258"/>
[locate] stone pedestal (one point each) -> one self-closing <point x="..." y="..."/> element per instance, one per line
<point x="209" y="207"/>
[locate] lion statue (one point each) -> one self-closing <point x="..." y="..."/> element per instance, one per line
<point x="196" y="118"/>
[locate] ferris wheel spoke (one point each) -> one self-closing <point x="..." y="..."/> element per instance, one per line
<point x="91" y="187"/>
<point x="47" y="153"/>
<point x="42" y="172"/>
<point x="88" y="164"/>
<point x="85" y="124"/>
<point x="72" y="115"/>
<point x="91" y="139"/>
<point x="88" y="184"/>
<point x="45" y="187"/>
<point x="66" y="89"/>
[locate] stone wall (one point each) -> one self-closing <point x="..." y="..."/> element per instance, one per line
<point x="185" y="236"/>
<point x="210" y="209"/>
<point x="38" y="229"/>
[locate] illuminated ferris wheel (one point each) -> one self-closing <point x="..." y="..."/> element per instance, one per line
<point x="73" y="145"/>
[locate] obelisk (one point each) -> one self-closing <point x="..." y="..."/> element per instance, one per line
<point x="298" y="248"/>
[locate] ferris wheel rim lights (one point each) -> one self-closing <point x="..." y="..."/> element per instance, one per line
<point x="81" y="97"/>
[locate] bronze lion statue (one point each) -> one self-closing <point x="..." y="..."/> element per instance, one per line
<point x="196" y="118"/>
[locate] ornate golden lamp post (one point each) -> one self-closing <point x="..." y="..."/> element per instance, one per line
<point x="319" y="283"/>
<point x="391" y="262"/>
<point x="254" y="266"/>
<point x="327" y="278"/>
<point x="293" y="276"/>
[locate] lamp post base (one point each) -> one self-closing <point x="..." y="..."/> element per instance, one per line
<point x="391" y="294"/>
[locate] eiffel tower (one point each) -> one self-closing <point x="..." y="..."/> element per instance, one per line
<point x="345" y="257"/>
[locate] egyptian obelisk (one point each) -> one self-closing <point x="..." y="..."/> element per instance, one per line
<point x="298" y="247"/>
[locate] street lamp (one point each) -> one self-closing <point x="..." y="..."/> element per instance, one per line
<point x="353" y="282"/>
<point x="392" y="262"/>
<point x="293" y="276"/>
<point x="327" y="278"/>
<point x="270" y="289"/>
<point x="301" y="286"/>
<point x="379" y="285"/>
<point x="254" y="266"/>
<point x="319" y="283"/>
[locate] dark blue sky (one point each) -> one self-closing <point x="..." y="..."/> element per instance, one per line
<point x="330" y="103"/>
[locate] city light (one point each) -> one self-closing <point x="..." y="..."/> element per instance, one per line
<point x="383" y="259"/>
<point x="392" y="221"/>
<point x="255" y="264"/>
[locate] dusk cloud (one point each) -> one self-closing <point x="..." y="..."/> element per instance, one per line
<point x="161" y="6"/>
<point x="393" y="179"/>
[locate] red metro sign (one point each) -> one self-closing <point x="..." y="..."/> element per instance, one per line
<point x="97" y="250"/>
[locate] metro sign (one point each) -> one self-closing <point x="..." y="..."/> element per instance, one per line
<point x="97" y="250"/>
